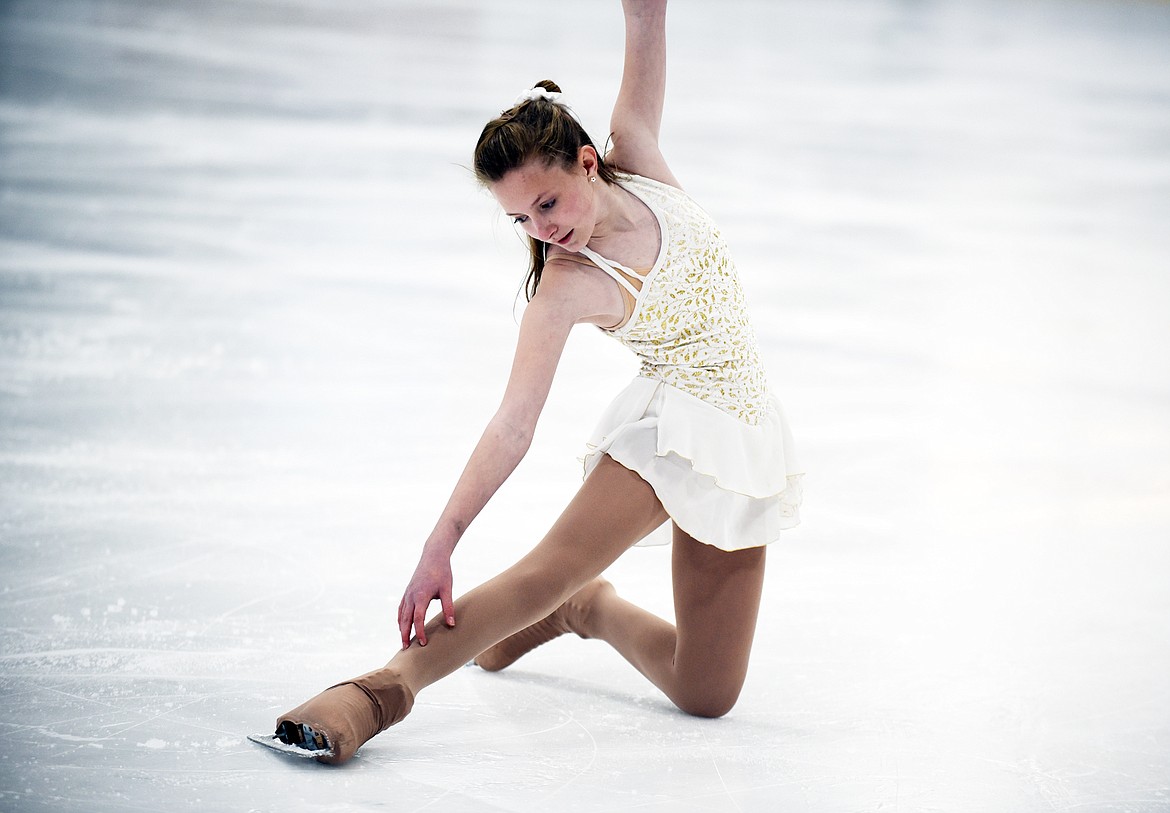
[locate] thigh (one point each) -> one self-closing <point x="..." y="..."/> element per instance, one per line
<point x="716" y="602"/>
<point x="613" y="509"/>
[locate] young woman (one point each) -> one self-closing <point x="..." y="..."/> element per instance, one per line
<point x="696" y="440"/>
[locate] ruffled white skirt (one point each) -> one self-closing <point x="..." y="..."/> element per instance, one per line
<point x="722" y="481"/>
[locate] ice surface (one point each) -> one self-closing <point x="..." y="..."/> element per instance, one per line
<point x="255" y="313"/>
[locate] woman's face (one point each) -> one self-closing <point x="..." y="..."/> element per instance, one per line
<point x="553" y="204"/>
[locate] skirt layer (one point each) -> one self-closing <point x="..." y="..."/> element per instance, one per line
<point x="726" y="483"/>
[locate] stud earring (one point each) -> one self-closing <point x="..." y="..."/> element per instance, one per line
<point x="592" y="179"/>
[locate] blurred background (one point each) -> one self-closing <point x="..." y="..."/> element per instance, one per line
<point x="254" y="313"/>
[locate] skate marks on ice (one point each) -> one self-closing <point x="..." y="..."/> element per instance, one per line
<point x="536" y="738"/>
<point x="222" y="427"/>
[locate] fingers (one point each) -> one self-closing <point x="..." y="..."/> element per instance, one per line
<point x="420" y="617"/>
<point x="412" y="613"/>
<point x="404" y="623"/>
<point x="448" y="606"/>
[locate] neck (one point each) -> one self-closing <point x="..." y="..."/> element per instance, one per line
<point x="618" y="212"/>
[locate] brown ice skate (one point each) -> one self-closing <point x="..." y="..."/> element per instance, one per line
<point x="349" y="714"/>
<point x="569" y="617"/>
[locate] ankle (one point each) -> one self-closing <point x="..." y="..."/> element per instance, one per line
<point x="391" y="696"/>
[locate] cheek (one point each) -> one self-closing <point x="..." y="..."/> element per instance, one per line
<point x="527" y="227"/>
<point x="582" y="207"/>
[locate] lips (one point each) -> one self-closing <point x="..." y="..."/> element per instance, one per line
<point x="566" y="238"/>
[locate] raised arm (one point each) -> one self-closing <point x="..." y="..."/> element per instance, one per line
<point x="543" y="331"/>
<point x="637" y="114"/>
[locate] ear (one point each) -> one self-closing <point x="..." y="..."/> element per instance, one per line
<point x="587" y="160"/>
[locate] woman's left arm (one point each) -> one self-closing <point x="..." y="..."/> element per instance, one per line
<point x="637" y="113"/>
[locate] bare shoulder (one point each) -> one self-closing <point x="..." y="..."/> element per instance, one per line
<point x="578" y="289"/>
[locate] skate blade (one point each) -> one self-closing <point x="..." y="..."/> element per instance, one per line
<point x="277" y="744"/>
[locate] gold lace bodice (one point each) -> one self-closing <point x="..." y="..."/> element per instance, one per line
<point x="690" y="326"/>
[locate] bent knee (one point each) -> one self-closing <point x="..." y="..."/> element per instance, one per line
<point x="708" y="704"/>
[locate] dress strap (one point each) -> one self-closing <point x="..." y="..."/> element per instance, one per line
<point x="609" y="268"/>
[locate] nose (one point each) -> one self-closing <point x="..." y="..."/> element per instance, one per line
<point x="543" y="230"/>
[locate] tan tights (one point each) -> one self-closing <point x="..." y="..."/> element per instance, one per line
<point x="699" y="662"/>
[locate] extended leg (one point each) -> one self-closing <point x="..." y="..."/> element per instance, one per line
<point x="613" y="509"/>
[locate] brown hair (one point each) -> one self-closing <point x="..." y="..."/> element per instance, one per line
<point x="534" y="128"/>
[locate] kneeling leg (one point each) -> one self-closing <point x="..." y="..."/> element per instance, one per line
<point x="699" y="662"/>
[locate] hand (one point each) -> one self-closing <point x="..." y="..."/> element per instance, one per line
<point x="431" y="580"/>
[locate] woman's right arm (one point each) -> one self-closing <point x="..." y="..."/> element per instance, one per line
<point x="563" y="301"/>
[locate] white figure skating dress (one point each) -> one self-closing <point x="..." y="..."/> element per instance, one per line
<point x="698" y="423"/>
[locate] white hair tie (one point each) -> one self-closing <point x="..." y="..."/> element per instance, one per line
<point x="536" y="93"/>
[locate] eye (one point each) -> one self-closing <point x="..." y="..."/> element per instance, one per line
<point x="520" y="219"/>
<point x="548" y="204"/>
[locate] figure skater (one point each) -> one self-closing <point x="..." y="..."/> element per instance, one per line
<point x="696" y="440"/>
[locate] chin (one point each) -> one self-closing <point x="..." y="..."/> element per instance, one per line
<point x="577" y="243"/>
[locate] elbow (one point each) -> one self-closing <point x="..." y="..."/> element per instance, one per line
<point x="513" y="434"/>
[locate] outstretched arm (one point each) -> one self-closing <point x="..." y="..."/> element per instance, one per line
<point x="562" y="302"/>
<point x="637" y="114"/>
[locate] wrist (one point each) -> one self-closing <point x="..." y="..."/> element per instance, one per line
<point x="440" y="543"/>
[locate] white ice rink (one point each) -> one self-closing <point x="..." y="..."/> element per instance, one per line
<point x="254" y="313"/>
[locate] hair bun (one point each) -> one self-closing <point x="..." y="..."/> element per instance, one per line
<point x="544" y="90"/>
